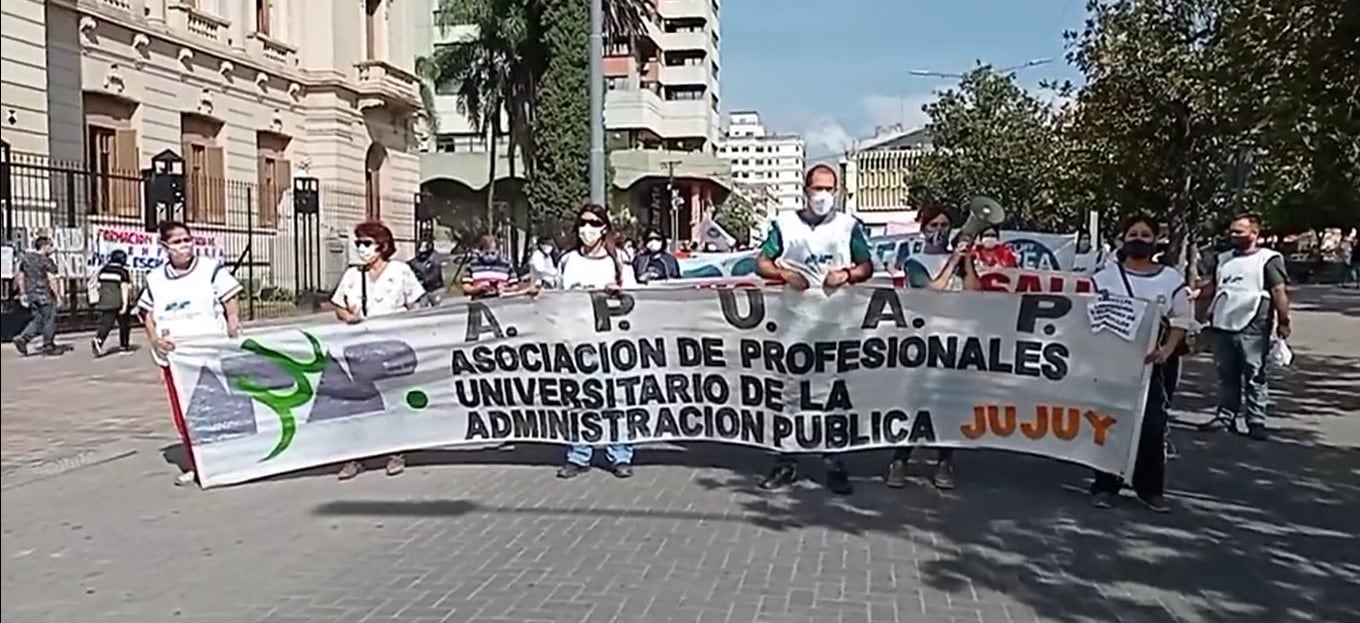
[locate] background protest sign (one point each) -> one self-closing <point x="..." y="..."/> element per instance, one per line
<point x="143" y="249"/>
<point x="1035" y="251"/>
<point x="780" y="370"/>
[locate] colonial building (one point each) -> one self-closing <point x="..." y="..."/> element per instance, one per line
<point x="875" y="174"/>
<point x="250" y="94"/>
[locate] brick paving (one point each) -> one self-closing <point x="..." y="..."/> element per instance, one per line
<point x="1260" y="532"/>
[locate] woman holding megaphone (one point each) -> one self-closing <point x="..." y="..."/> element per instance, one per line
<point x="937" y="268"/>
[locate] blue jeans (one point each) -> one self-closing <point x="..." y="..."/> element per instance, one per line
<point x="617" y="453"/>
<point x="1241" y="361"/>
<point x="42" y="321"/>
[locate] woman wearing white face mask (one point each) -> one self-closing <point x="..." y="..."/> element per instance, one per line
<point x="595" y="265"/>
<point x="543" y="264"/>
<point x="377" y="287"/>
<point x="188" y="296"/>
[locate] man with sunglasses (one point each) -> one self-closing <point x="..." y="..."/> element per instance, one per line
<point x="815" y="245"/>
<point x="654" y="263"/>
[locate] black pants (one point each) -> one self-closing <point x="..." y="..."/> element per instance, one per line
<point x="107" y="319"/>
<point x="1149" y="468"/>
<point x="946" y="455"/>
<point x="829" y="459"/>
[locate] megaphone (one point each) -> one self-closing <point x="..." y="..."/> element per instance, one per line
<point x="982" y="213"/>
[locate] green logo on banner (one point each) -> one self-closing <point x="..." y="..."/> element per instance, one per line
<point x="282" y="404"/>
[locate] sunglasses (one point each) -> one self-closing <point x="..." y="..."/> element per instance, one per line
<point x="589" y="222"/>
<point x="176" y="241"/>
<point x="362" y="243"/>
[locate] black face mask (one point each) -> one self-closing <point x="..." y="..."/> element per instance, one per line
<point x="1239" y="242"/>
<point x="1139" y="249"/>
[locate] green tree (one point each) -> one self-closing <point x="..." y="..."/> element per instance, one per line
<point x="741" y="211"/>
<point x="527" y="58"/>
<point x="991" y="137"/>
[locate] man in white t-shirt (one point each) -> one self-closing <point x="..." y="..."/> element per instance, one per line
<point x="187" y="297"/>
<point x="815" y="246"/>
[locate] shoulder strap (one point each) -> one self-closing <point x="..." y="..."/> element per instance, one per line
<point x="1124" y="276"/>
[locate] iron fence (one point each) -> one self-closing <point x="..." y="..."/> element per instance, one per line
<point x="283" y="236"/>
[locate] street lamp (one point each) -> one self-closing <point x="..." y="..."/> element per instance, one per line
<point x="1004" y="70"/>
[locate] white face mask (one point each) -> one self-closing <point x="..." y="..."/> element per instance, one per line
<point x="367" y="253"/>
<point x="547" y="249"/>
<point x="181" y="248"/>
<point x="821" y="202"/>
<point x="590" y="234"/>
<point x="653" y="245"/>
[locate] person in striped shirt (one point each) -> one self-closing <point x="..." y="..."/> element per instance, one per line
<point x="488" y="273"/>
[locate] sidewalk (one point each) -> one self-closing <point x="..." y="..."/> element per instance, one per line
<point x="1260" y="531"/>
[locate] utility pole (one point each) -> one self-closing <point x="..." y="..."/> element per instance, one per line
<point x="674" y="194"/>
<point x="597" y="164"/>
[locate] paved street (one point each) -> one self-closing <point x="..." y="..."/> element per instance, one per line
<point x="94" y="531"/>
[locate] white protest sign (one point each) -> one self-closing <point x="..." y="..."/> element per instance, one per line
<point x="143" y="248"/>
<point x="779" y="370"/>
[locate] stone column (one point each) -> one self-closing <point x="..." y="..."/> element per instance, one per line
<point x="242" y="16"/>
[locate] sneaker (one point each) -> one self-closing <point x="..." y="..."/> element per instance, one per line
<point x="96" y="349"/>
<point x="349" y="470"/>
<point x="1155" y="503"/>
<point x="1102" y="499"/>
<point x="185" y="479"/>
<point x="897" y="474"/>
<point x="1258" y="433"/>
<point x="53" y="351"/>
<point x="571" y="470"/>
<point x="21" y="345"/>
<point x="623" y="470"/>
<point x="396" y="464"/>
<point x="1169" y="450"/>
<point x="943" y="478"/>
<point x="838" y="481"/>
<point x="781" y="475"/>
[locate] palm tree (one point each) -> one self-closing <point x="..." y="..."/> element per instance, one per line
<point x="496" y="70"/>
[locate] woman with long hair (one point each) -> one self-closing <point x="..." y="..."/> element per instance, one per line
<point x="1136" y="275"/>
<point x="376" y="286"/>
<point x="594" y="263"/>
<point x="187" y="296"/>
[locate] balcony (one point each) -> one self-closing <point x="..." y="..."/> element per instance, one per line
<point x="263" y="46"/>
<point x="672" y="41"/>
<point x="199" y="23"/>
<point x="384" y="85"/>
<point x="634" y="110"/>
<point x="686" y="8"/>
<point x="689" y="118"/>
<point x="672" y="75"/>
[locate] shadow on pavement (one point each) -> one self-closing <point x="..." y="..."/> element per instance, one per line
<point x="1260" y="531"/>
<point x="1344" y="301"/>
<point x="1315" y="386"/>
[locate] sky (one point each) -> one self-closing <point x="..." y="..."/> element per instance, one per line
<point x="832" y="70"/>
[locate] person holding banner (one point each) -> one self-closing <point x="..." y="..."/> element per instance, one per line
<point x="991" y="252"/>
<point x="936" y="268"/>
<point x="595" y="264"/>
<point x="376" y="287"/>
<point x="654" y="263"/>
<point x="815" y="245"/>
<point x="1138" y="276"/>
<point x="188" y="296"/>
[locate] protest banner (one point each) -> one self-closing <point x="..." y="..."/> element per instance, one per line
<point x="1049" y="374"/>
<point x="143" y="248"/>
<point x="1035" y="250"/>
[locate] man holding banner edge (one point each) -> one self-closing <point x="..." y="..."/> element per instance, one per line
<point x="815" y="243"/>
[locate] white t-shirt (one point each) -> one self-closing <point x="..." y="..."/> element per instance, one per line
<point x="580" y="272"/>
<point x="392" y="291"/>
<point x="541" y="268"/>
<point x="1164" y="287"/>
<point x="189" y="303"/>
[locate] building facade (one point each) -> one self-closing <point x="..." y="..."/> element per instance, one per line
<point x="875" y="176"/>
<point x="249" y="94"/>
<point x="768" y="167"/>
<point x="661" y="117"/>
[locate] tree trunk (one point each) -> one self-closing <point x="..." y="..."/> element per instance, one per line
<point x="491" y="129"/>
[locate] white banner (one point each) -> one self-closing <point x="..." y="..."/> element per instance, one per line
<point x="1048" y="374"/>
<point x="1034" y="250"/>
